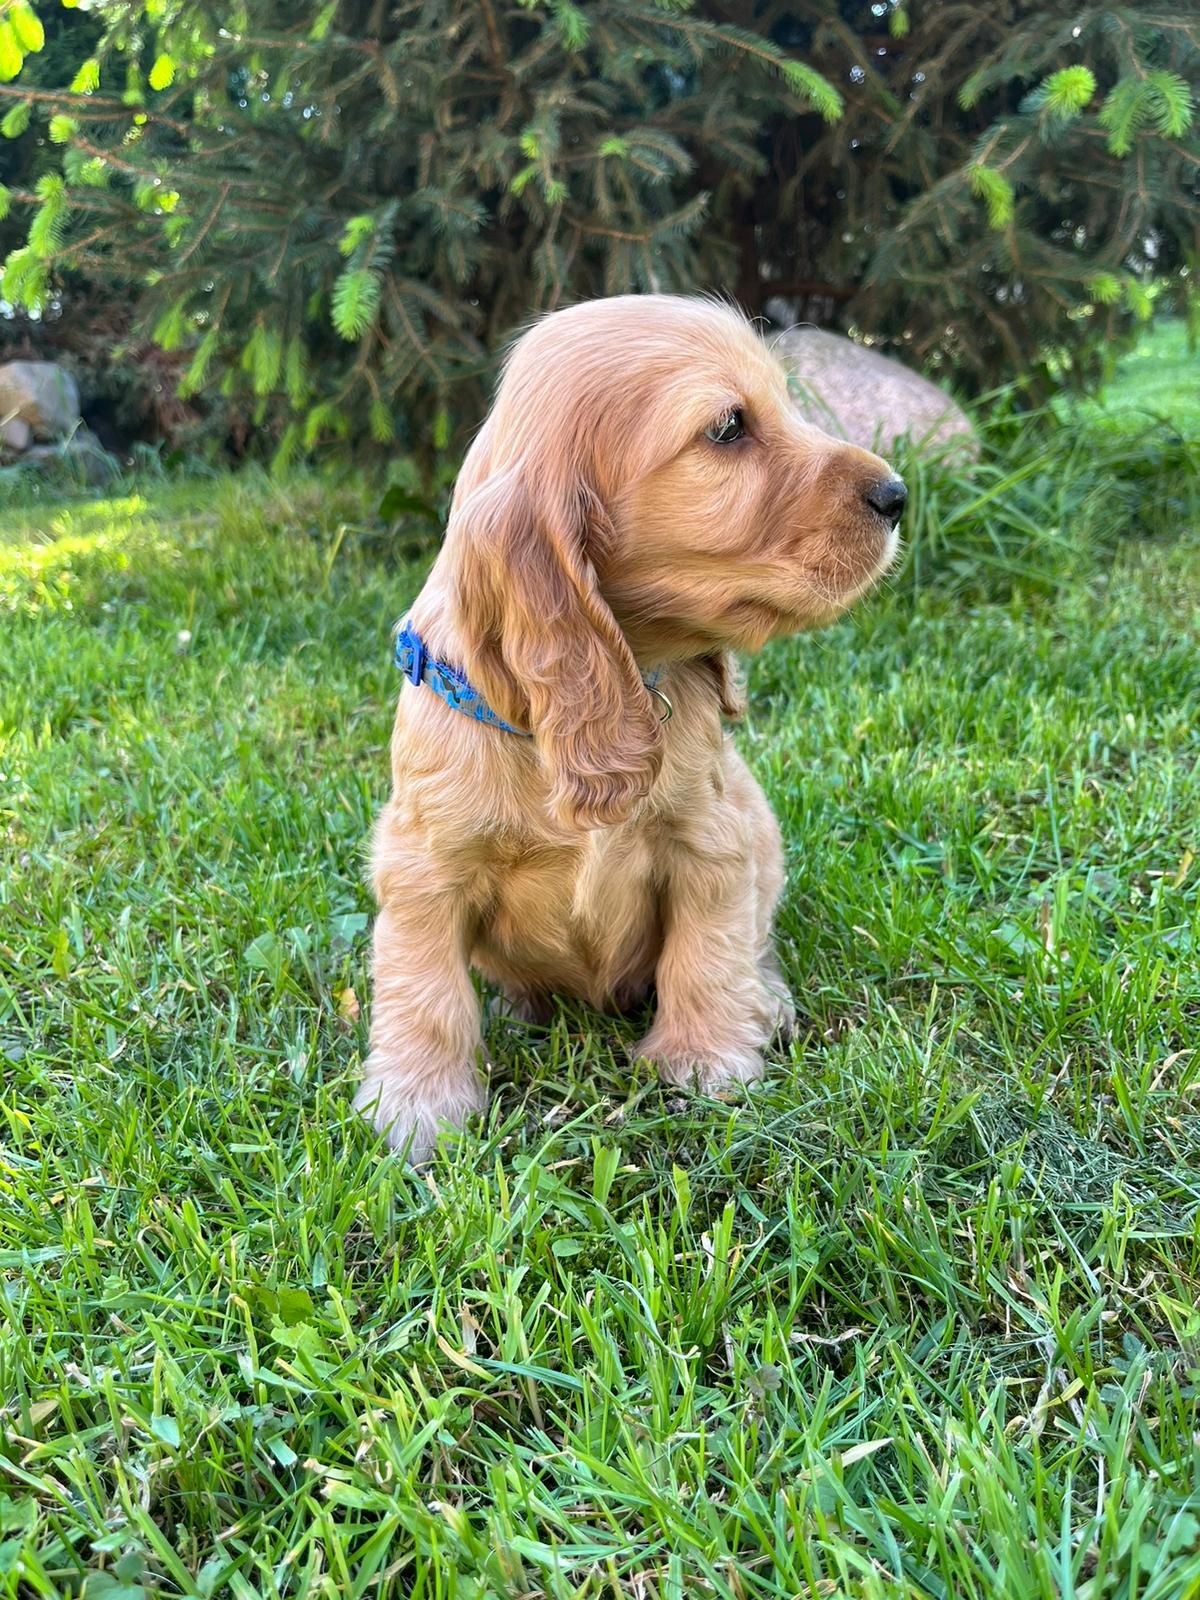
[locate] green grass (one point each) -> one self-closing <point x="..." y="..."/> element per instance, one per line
<point x="917" y="1318"/>
<point x="1159" y="378"/>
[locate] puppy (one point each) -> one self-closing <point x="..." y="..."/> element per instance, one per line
<point x="641" y="501"/>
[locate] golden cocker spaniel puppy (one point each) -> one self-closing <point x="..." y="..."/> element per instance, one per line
<point x="641" y="501"/>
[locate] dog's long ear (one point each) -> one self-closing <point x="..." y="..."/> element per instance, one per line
<point x="543" y="647"/>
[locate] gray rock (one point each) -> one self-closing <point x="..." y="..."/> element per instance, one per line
<point x="81" y="458"/>
<point x="15" y="434"/>
<point x="867" y="398"/>
<point x="41" y="393"/>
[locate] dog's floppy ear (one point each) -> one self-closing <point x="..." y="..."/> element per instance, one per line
<point x="542" y="646"/>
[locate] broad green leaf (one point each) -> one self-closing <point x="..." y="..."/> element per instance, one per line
<point x="605" y="1161"/>
<point x="282" y="1451"/>
<point x="165" y="1428"/>
<point x="18" y="1516"/>
<point x="265" y="954"/>
<point x="103" y="1585"/>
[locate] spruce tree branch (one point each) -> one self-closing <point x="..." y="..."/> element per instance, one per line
<point x="306" y="46"/>
<point x="134" y="171"/>
<point x="97" y="236"/>
<point x="808" y="287"/>
<point x="96" y="108"/>
<point x="418" y="345"/>
<point x="59" y="97"/>
<point x="195" y="243"/>
<point x="493" y="33"/>
<point x="608" y="233"/>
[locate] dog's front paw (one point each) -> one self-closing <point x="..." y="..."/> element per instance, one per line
<point x="779" y="1009"/>
<point x="783" y="1014"/>
<point x="695" y="1067"/>
<point x="412" y="1113"/>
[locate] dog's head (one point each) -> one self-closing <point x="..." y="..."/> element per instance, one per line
<point x="643" y="491"/>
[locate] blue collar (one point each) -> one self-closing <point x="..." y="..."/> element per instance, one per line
<point x="450" y="685"/>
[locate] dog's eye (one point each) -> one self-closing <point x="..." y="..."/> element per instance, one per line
<point x="729" y="430"/>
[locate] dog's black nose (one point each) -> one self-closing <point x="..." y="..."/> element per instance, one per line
<point x="888" y="497"/>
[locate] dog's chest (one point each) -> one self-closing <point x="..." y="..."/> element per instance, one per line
<point x="580" y="919"/>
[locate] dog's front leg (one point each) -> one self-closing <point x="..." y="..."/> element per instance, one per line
<point x="422" y="1073"/>
<point x="716" y="1008"/>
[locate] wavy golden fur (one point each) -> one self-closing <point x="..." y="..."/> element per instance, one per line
<point x="642" y="496"/>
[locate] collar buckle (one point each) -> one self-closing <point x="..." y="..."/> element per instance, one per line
<point x="416" y="667"/>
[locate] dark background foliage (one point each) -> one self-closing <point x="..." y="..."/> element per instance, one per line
<point x="305" y="222"/>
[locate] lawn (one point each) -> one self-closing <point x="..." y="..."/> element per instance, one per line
<point x="1159" y="378"/>
<point x="918" y="1317"/>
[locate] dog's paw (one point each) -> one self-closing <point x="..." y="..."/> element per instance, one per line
<point x="778" y="1007"/>
<point x="413" y="1115"/>
<point x="783" y="1013"/>
<point x="535" y="1009"/>
<point x="631" y="997"/>
<point x="706" y="1071"/>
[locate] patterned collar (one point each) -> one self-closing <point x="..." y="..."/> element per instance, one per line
<point x="450" y="685"/>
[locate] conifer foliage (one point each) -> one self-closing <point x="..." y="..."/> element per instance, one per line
<point x="337" y="210"/>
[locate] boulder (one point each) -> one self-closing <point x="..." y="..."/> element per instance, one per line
<point x="42" y="394"/>
<point x="15" y="434"/>
<point x="869" y="399"/>
<point x="80" y="459"/>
